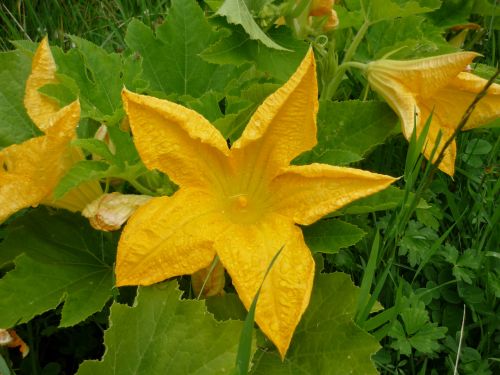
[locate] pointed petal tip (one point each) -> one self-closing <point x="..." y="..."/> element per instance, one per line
<point x="45" y="41"/>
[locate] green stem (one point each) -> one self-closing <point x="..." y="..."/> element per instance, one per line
<point x="346" y="63"/>
<point x="355" y="64"/>
<point x="141" y="188"/>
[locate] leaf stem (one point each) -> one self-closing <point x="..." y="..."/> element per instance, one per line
<point x="334" y="84"/>
<point x="141" y="188"/>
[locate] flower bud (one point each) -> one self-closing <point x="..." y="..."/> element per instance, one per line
<point x="110" y="211"/>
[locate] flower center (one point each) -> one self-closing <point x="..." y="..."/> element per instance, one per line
<point x="241" y="202"/>
<point x="241" y="208"/>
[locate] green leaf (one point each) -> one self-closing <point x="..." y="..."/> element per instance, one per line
<point x="162" y="334"/>
<point x="386" y="199"/>
<point x="453" y="12"/>
<point x="125" y="148"/>
<point x="15" y="125"/>
<point x="348" y="130"/>
<point x="96" y="77"/>
<point x="238" y="48"/>
<point x="63" y="259"/>
<point x="404" y="38"/>
<point x="226" y="307"/>
<point x="378" y="10"/>
<point x="415" y="330"/>
<point x="231" y="126"/>
<point x="326" y="340"/>
<point x="170" y="60"/>
<point x="331" y="235"/>
<point x="417" y="242"/>
<point x="85" y="170"/>
<point x="206" y="105"/>
<point x="236" y="12"/>
<point x="95" y="146"/>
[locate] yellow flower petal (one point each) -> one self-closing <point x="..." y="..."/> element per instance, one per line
<point x="176" y="140"/>
<point x="437" y="85"/>
<point x="30" y="171"/>
<point x="229" y="204"/>
<point x="460" y="93"/>
<point x="40" y="107"/>
<point x="439" y="127"/>
<point x="246" y="252"/>
<point x="284" y="125"/>
<point x="167" y="237"/>
<point x="306" y="193"/>
<point x="404" y="83"/>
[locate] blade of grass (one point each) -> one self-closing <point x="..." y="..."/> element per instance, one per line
<point x="367" y="281"/>
<point x="210" y="271"/>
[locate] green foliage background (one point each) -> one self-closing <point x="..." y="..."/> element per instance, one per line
<point x="427" y="249"/>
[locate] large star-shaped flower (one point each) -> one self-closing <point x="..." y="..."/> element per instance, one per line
<point x="30" y="171"/>
<point x="241" y="203"/>
<point x="437" y="85"/>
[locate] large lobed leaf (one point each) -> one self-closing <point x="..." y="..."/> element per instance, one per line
<point x="238" y="48"/>
<point x="162" y="334"/>
<point x="326" y="341"/>
<point x="58" y="257"/>
<point x="170" y="60"/>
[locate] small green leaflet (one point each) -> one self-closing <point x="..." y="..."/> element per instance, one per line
<point x="331" y="235"/>
<point x="415" y="331"/>
<point x="15" y="125"/>
<point x="162" y="334"/>
<point x="326" y="340"/>
<point x="62" y="259"/>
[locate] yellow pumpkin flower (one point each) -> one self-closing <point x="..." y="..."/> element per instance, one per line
<point x="438" y="85"/>
<point x="31" y="170"/>
<point x="240" y="203"/>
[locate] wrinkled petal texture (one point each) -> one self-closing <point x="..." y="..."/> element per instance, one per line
<point x="241" y="204"/>
<point x="404" y="83"/>
<point x="40" y="107"/>
<point x="283" y="127"/>
<point x="437" y="85"/>
<point x="460" y="93"/>
<point x="306" y="193"/>
<point x="440" y="129"/>
<point x="176" y="140"/>
<point x="30" y="171"/>
<point x="246" y="251"/>
<point x="167" y="237"/>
